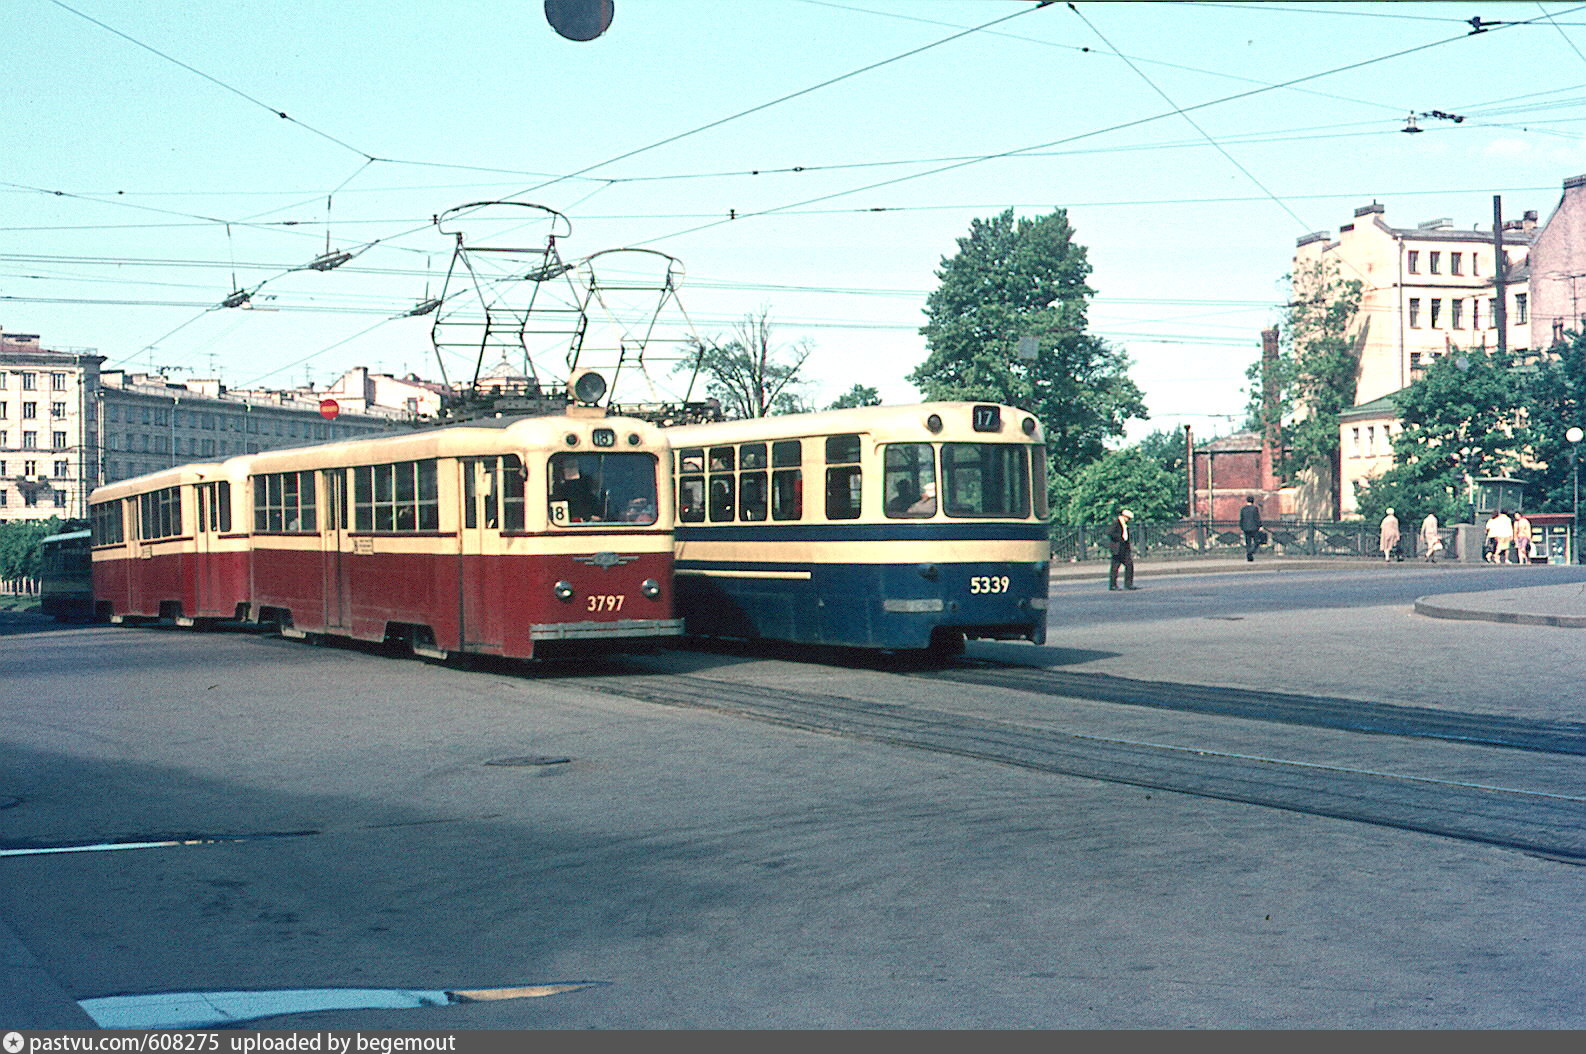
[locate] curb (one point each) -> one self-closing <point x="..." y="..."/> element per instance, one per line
<point x="1429" y="607"/>
<point x="30" y="999"/>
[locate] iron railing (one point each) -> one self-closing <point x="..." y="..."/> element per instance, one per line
<point x="1192" y="539"/>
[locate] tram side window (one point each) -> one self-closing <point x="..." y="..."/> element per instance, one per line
<point x="722" y="484"/>
<point x="752" y="496"/>
<point x="843" y="478"/>
<point x="400" y="498"/>
<point x="160" y="514"/>
<point x="513" y="478"/>
<point x="787" y="480"/>
<point x="1043" y="507"/>
<point x="494" y="486"/>
<point x="986" y="479"/>
<point x="909" y="480"/>
<point x="284" y="501"/>
<point x="691" y="485"/>
<point x="106" y="521"/>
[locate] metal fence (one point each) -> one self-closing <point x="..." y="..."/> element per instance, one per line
<point x="1192" y="539"/>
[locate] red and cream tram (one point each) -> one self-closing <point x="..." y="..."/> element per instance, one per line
<point x="510" y="537"/>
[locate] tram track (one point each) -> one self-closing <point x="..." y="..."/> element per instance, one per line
<point x="1538" y="822"/>
<point x="1339" y="714"/>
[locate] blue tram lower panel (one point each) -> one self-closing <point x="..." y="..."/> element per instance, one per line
<point x="863" y="605"/>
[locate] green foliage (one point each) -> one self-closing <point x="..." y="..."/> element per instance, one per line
<point x="1461" y="417"/>
<point x="1025" y="278"/>
<point x="1555" y="400"/>
<point x="1412" y="497"/>
<point x="1318" y="363"/>
<point x="1128" y="477"/>
<point x="19" y="546"/>
<point x="749" y="375"/>
<point x="858" y="395"/>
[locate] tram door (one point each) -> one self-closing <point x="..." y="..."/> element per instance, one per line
<point x="481" y="520"/>
<point x="333" y="491"/>
<point x="214" y="516"/>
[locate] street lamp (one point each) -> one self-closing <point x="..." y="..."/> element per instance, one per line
<point x="1574" y="435"/>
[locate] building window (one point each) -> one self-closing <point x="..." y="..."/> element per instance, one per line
<point x="1415" y="262"/>
<point x="57" y="409"/>
<point x="30" y="468"/>
<point x="1415" y="364"/>
<point x="1437" y="309"/>
<point x="30" y="382"/>
<point x="1475" y="265"/>
<point x="30" y="411"/>
<point x="58" y="440"/>
<point x="1492" y="312"/>
<point x="2" y="411"/>
<point x="62" y="469"/>
<point x="1354" y="440"/>
<point x="1437" y="263"/>
<point x="1521" y="316"/>
<point x="1415" y="312"/>
<point x="58" y="381"/>
<point x="1456" y="263"/>
<point x="1456" y="310"/>
<point x="30" y="440"/>
<point x="1475" y="310"/>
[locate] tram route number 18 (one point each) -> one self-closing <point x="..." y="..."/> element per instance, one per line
<point x="988" y="584"/>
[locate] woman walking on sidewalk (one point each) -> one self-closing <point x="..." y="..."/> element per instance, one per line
<point x="1389" y="539"/>
<point x="1431" y="540"/>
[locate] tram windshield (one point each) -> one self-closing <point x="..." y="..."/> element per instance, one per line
<point x="603" y="488"/>
<point x="986" y="479"/>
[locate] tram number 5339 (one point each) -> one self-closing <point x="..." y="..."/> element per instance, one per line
<point x="988" y="584"/>
<point x="606" y="602"/>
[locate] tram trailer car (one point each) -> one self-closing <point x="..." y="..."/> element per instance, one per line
<point x="172" y="545"/>
<point x="826" y="528"/>
<point x="510" y="537"/>
<point x="66" y="588"/>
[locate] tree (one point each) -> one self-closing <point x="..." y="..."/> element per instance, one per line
<point x="749" y="375"/>
<point x="1125" y="478"/>
<point x="1025" y="279"/>
<point x="19" y="546"/>
<point x="858" y="395"/>
<point x="1554" y="400"/>
<point x="1461" y="418"/>
<point x="1317" y="366"/>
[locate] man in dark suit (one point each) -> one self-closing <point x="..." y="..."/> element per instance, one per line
<point x="1250" y="523"/>
<point x="1122" y="543"/>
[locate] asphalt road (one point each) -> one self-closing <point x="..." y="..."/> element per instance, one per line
<point x="1258" y="800"/>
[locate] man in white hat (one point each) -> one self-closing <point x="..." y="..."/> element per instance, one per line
<point x="1120" y="539"/>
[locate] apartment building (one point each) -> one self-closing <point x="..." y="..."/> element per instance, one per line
<point x="67" y="425"/>
<point x="1426" y="291"/>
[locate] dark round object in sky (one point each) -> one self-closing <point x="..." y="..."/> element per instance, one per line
<point x="579" y="19"/>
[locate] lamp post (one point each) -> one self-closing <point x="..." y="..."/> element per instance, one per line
<point x="1574" y="435"/>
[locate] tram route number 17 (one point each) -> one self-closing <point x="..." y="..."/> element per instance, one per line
<point x="988" y="584"/>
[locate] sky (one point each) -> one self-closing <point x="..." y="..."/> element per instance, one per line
<point x="707" y="161"/>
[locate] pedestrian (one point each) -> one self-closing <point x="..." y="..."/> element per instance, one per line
<point x="1250" y="523"/>
<point x="1500" y="536"/>
<point x="1119" y="537"/>
<point x="1522" y="537"/>
<point x="1431" y="539"/>
<point x="1388" y="539"/>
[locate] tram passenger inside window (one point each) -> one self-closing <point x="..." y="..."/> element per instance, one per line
<point x="904" y="495"/>
<point x="926" y="506"/>
<point x="639" y="510"/>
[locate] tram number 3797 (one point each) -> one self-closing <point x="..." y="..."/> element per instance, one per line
<point x="988" y="584"/>
<point x="606" y="602"/>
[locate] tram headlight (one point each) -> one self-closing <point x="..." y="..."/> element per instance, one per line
<point x="933" y="423"/>
<point x="650" y="588"/>
<point x="563" y="590"/>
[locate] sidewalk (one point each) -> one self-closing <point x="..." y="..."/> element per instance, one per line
<point x="1561" y="605"/>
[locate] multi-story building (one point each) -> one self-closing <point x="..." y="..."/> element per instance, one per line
<point x="48" y="428"/>
<point x="1425" y="291"/>
<point x="67" y="425"/>
<point x="1558" y="269"/>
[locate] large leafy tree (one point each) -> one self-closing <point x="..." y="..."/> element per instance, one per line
<point x="1018" y="284"/>
<point x="1461" y="418"/>
<point x="1317" y="368"/>
<point x="750" y="374"/>
<point x="858" y="395"/>
<point x="1130" y="477"/>
<point x="1555" y="401"/>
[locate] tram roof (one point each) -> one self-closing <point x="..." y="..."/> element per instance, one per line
<point x="907" y="419"/>
<point x="233" y="470"/>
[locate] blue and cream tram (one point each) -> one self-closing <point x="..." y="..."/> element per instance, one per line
<point x="891" y="527"/>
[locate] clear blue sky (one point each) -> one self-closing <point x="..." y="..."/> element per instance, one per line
<point x="149" y="173"/>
